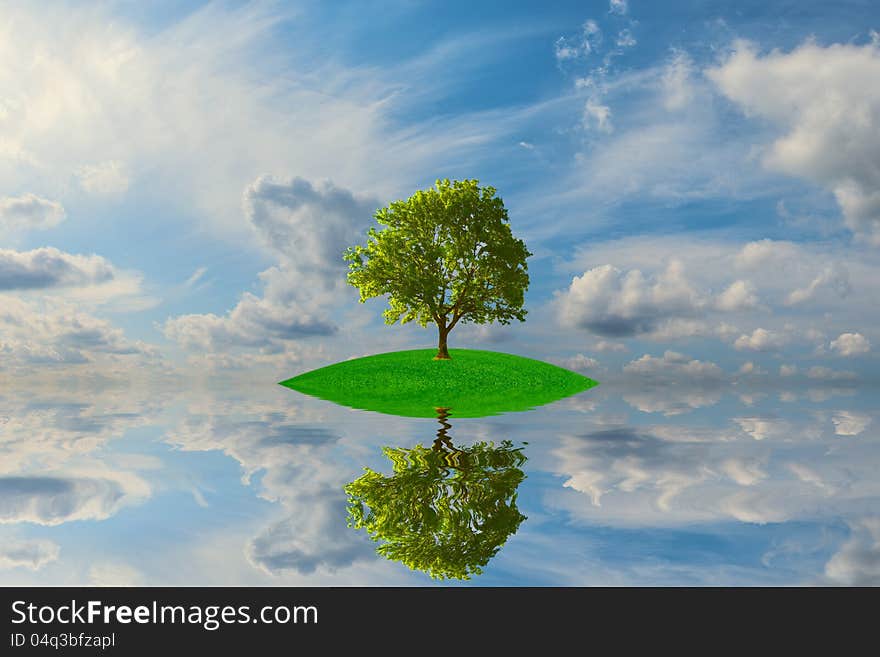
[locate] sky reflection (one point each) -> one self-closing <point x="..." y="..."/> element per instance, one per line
<point x="629" y="483"/>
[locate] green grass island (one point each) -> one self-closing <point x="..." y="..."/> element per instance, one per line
<point x="472" y="383"/>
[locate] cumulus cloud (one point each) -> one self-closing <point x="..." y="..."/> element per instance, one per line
<point x="851" y="344"/>
<point x="835" y="278"/>
<point x="53" y="500"/>
<point x="674" y="364"/>
<point x="296" y="544"/>
<point x="850" y="423"/>
<point x="615" y="462"/>
<point x="613" y="303"/>
<point x="294" y="456"/>
<point x="740" y="295"/>
<point x="307" y="227"/>
<point x="789" y="468"/>
<point x="55" y="465"/>
<point x="618" y="7"/>
<point x="672" y="384"/>
<point x="580" y="363"/>
<point x="48" y="267"/>
<point x="761" y="340"/>
<point x="761" y="428"/>
<point x="609" y="346"/>
<point x="825" y="103"/>
<point x="828" y="374"/>
<point x="762" y="252"/>
<point x="53" y="331"/>
<point x="31" y="554"/>
<point x="857" y="562"/>
<point x="261" y="322"/>
<point x="29" y="212"/>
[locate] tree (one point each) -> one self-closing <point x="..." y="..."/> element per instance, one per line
<point x="446" y="255"/>
<point x="445" y="511"/>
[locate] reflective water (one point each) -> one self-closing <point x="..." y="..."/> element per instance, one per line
<point x="767" y="483"/>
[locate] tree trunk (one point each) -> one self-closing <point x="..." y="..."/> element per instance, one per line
<point x="442" y="351"/>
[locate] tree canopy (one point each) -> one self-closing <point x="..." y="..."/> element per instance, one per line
<point x="445" y="255"/>
<point x="445" y="511"/>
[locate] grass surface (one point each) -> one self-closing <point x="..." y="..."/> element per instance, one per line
<point x="471" y="384"/>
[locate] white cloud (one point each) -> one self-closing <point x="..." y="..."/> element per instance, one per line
<point x="734" y="292"/>
<point x="826" y="373"/>
<point x="809" y="476"/>
<point x="690" y="472"/>
<point x="654" y="396"/>
<point x="850" y="423"/>
<point x="740" y="295"/>
<point x="752" y="507"/>
<point x="672" y="384"/>
<point x="749" y="368"/>
<point x="194" y="110"/>
<point x="114" y="574"/>
<point x="763" y="252"/>
<point x="851" y="344"/>
<point x="761" y="340"/>
<point x="761" y="428"/>
<point x="294" y="456"/>
<point x="31" y="554"/>
<point x="29" y="212"/>
<point x="103" y="179"/>
<point x="608" y="346"/>
<point x="788" y="370"/>
<point x="625" y="39"/>
<point x="196" y="276"/>
<point x="613" y="303"/>
<point x="597" y="115"/>
<point x="294" y="544"/>
<point x="307" y="227"/>
<point x="618" y="7"/>
<point x="53" y="500"/>
<point x="589" y="40"/>
<point x="48" y="267"/>
<point x="824" y="100"/>
<point x="834" y="277"/>
<point x="53" y="331"/>
<point x="674" y="364"/>
<point x="857" y="562"/>
<point x="564" y="50"/>
<point x="676" y="82"/>
<point x="743" y="471"/>
<point x="580" y="363"/>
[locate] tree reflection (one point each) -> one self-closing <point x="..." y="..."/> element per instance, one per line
<point x="446" y="510"/>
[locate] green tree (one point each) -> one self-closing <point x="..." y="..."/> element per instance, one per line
<point x="445" y="511"/>
<point x="446" y="255"/>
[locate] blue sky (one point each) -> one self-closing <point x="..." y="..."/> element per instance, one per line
<point x="698" y="181"/>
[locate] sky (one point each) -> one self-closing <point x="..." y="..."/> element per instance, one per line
<point x="698" y="182"/>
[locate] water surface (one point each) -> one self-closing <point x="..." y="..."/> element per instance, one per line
<point x="774" y="483"/>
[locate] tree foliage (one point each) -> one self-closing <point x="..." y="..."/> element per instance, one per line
<point x="445" y="255"/>
<point x="446" y="512"/>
